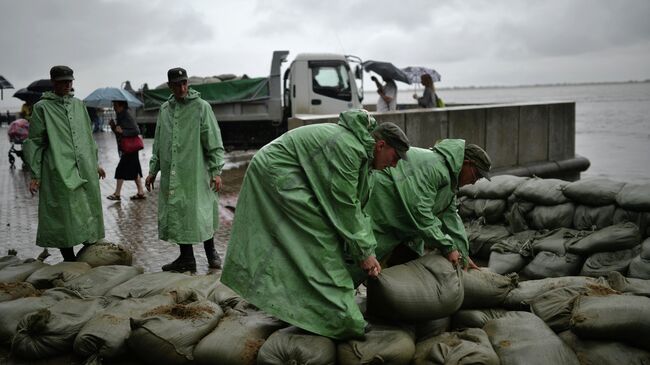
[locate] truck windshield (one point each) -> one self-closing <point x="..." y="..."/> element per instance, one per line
<point x="331" y="80"/>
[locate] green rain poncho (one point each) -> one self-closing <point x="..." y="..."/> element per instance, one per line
<point x="62" y="154"/>
<point x="415" y="202"/>
<point x="188" y="152"/>
<point x="299" y="212"/>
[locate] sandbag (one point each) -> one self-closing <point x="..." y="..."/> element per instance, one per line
<point x="555" y="306"/>
<point x="423" y="289"/>
<point x="477" y="318"/>
<point x="634" y="286"/>
<point x="482" y="237"/>
<point x="427" y="329"/>
<point x="222" y="294"/>
<point x="294" y="346"/>
<point x="500" y="187"/>
<point x="506" y="263"/>
<point x="527" y="340"/>
<point x="639" y="268"/>
<point x="105" y="253"/>
<point x="492" y="210"/>
<point x="641" y="219"/>
<point x="238" y="339"/>
<point x="201" y="285"/>
<point x="11" y="291"/>
<point x="146" y="284"/>
<point x="601" y="263"/>
<point x="604" y="352"/>
<point x="615" y="318"/>
<point x="549" y="265"/>
<point x="516" y="215"/>
<point x="594" y="191"/>
<point x="55" y="275"/>
<point x="101" y="279"/>
<point x="557" y="240"/>
<point x="592" y="218"/>
<point x="104" y="335"/>
<point x="613" y="238"/>
<point x="169" y="334"/>
<point x="471" y="346"/>
<point x="485" y="289"/>
<point x="551" y="216"/>
<point x="9" y="260"/>
<point x="382" y="345"/>
<point x="11" y="312"/>
<point x="645" y="249"/>
<point x="20" y="272"/>
<point x="511" y="254"/>
<point x="634" y="197"/>
<point x="50" y="332"/>
<point x="521" y="296"/>
<point x="542" y="191"/>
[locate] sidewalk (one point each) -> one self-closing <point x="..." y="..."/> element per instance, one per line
<point x="131" y="223"/>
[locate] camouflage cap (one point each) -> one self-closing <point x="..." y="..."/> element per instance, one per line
<point x="480" y="158"/>
<point x="394" y="136"/>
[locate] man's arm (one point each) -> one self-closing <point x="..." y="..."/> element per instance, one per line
<point x="154" y="162"/>
<point x="212" y="145"/>
<point x="34" y="146"/>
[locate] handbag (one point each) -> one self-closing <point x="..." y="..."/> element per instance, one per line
<point x="131" y="144"/>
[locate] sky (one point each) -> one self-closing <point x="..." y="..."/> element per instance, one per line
<point x="470" y="43"/>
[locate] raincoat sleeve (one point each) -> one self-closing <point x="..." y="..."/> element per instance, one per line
<point x="430" y="226"/>
<point x="453" y="226"/>
<point x="154" y="163"/>
<point x="211" y="142"/>
<point x="36" y="143"/>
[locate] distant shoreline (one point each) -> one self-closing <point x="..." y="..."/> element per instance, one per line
<point x="543" y="85"/>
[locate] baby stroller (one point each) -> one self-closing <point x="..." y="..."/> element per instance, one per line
<point x="18" y="132"/>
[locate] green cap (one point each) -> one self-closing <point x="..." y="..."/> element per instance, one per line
<point x="176" y="74"/>
<point x="394" y="136"/>
<point x="480" y="158"/>
<point x="61" y="73"/>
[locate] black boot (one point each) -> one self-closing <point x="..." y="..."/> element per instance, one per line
<point x="68" y="254"/>
<point x="184" y="262"/>
<point x="214" y="261"/>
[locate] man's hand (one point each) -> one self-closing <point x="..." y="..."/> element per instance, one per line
<point x="371" y="266"/>
<point x="148" y="182"/>
<point x="101" y="173"/>
<point x="118" y="130"/>
<point x="215" y="183"/>
<point x="33" y="186"/>
<point x="472" y="265"/>
<point x="454" y="257"/>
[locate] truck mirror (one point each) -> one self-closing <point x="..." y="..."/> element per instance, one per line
<point x="358" y="72"/>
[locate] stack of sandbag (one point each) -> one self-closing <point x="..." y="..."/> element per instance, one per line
<point x="18" y="272"/>
<point x="55" y="275"/>
<point x="551" y="258"/>
<point x="481" y="237"/>
<point x="488" y="199"/>
<point x="101" y="279"/>
<point x="595" y="202"/>
<point x="552" y="208"/>
<point x="105" y="253"/>
<point x="511" y="254"/>
<point x="634" y="206"/>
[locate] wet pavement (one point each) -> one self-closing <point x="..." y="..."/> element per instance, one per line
<point x="130" y="223"/>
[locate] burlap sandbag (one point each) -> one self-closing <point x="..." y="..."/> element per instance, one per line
<point x="492" y="210"/>
<point x="11" y="291"/>
<point x="169" y="334"/>
<point x="512" y="253"/>
<point x="613" y="238"/>
<point x="645" y="249"/>
<point x="641" y="219"/>
<point x="521" y="296"/>
<point x="482" y="237"/>
<point x="604" y="352"/>
<point x="601" y="263"/>
<point x="8" y="261"/>
<point x="628" y="285"/>
<point x="634" y="197"/>
<point x="201" y="285"/>
<point x="20" y="272"/>
<point x="383" y="345"/>
<point x="639" y="268"/>
<point x="146" y="284"/>
<point x="423" y="289"/>
<point x="550" y="265"/>
<point x="500" y="187"/>
<point x="517" y="213"/>
<point x="594" y="191"/>
<point x="557" y="240"/>
<point x="477" y="318"/>
<point x="471" y="346"/>
<point x="551" y="216"/>
<point x="542" y="191"/>
<point x="222" y="294"/>
<point x="527" y="340"/>
<point x="427" y="329"/>
<point x="486" y="289"/>
<point x="105" y="253"/>
<point x="295" y="346"/>
<point x="623" y="318"/>
<point x="101" y="279"/>
<point x="593" y="218"/>
<point x="238" y="339"/>
<point x="55" y="275"/>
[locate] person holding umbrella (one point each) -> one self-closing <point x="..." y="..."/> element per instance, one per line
<point x="429" y="98"/>
<point x="387" y="94"/>
<point x="129" y="166"/>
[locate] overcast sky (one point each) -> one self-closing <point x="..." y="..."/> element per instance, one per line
<point x="469" y="42"/>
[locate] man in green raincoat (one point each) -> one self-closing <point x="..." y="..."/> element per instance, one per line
<point x="300" y="213"/>
<point x="62" y="156"/>
<point x="415" y="203"/>
<point x="188" y="152"/>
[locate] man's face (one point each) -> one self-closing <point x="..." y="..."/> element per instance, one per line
<point x="385" y="156"/>
<point x="62" y="87"/>
<point x="179" y="89"/>
<point x="468" y="174"/>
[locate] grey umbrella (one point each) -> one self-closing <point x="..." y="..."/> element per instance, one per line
<point x="386" y="70"/>
<point x="41" y="86"/>
<point x="4" y="84"/>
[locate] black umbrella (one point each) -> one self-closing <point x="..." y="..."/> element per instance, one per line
<point x="41" y="86"/>
<point x="386" y="70"/>
<point x="4" y="84"/>
<point x="27" y="96"/>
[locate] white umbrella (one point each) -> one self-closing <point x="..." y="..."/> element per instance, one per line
<point x="415" y="72"/>
<point x="104" y="97"/>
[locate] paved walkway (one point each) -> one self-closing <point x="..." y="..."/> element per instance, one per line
<point x="131" y="223"/>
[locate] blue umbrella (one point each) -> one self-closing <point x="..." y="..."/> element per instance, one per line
<point x="104" y="97"/>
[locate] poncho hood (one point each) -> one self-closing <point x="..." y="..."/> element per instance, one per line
<point x="361" y="124"/>
<point x="191" y="95"/>
<point x="453" y="150"/>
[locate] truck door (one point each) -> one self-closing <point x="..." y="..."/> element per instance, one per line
<point x="331" y="87"/>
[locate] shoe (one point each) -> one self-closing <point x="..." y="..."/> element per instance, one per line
<point x="214" y="261"/>
<point x="113" y="197"/>
<point x="138" y="197"/>
<point x="181" y="264"/>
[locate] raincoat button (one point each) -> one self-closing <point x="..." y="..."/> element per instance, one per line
<point x="173" y="172"/>
<point x="171" y="192"/>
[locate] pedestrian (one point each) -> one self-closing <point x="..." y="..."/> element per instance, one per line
<point x="298" y="216"/>
<point x="414" y="205"/>
<point x="188" y="152"/>
<point x="62" y="156"/>
<point x="129" y="166"/>
<point x="429" y="98"/>
<point x="387" y="94"/>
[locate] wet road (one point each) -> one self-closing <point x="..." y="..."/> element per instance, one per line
<point x="130" y="223"/>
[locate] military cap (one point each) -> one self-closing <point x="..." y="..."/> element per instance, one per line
<point x="176" y="74"/>
<point x="480" y="159"/>
<point x="394" y="137"/>
<point x="61" y="73"/>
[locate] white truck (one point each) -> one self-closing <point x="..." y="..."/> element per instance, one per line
<point x="253" y="111"/>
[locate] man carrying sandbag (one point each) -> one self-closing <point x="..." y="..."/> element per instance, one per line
<point x="415" y="203"/>
<point x="299" y="210"/>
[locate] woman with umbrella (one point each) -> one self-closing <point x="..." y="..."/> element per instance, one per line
<point x="429" y="99"/>
<point x="129" y="166"/>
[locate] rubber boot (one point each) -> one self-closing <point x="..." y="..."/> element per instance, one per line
<point x="68" y="254"/>
<point x="214" y="261"/>
<point x="184" y="262"/>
